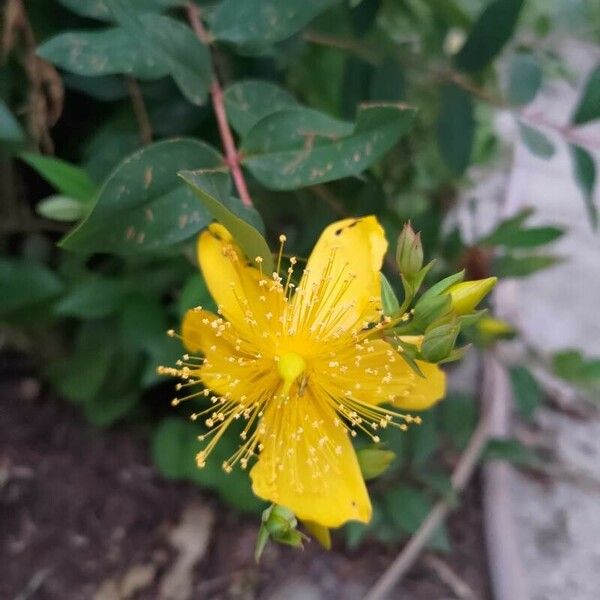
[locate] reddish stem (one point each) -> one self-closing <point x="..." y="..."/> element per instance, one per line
<point x="232" y="158"/>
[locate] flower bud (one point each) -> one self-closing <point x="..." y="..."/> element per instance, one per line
<point x="466" y="295"/>
<point x="279" y="520"/>
<point x="409" y="252"/>
<point x="374" y="461"/>
<point x="438" y="342"/>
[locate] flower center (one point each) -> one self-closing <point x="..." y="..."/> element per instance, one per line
<point x="290" y="366"/>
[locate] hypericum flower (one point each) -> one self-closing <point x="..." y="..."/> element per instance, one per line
<point x="304" y="365"/>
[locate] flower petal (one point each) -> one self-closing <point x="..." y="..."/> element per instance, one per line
<point x="308" y="464"/>
<point x="340" y="287"/>
<point x="235" y="285"/>
<point x="372" y="372"/>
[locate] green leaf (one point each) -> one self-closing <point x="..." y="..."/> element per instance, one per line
<point x="512" y="234"/>
<point x="458" y="417"/>
<point x="299" y="147"/>
<point x="98" y="9"/>
<point x="25" y="284"/>
<point x="524" y="79"/>
<point x="62" y="208"/>
<point x="572" y="366"/>
<point x="186" y="58"/>
<point x="456" y="128"/>
<point x="527" y="392"/>
<point x="143" y="205"/>
<point x="422" y="441"/>
<point x="105" y="52"/>
<point x="537" y="143"/>
<point x="584" y="169"/>
<point x="389" y="300"/>
<point x="588" y="108"/>
<point x="213" y="190"/>
<point x="388" y="83"/>
<point x="522" y="266"/>
<point x="511" y="450"/>
<point x="247" y="102"/>
<point x="68" y="179"/>
<point x="172" y="448"/>
<point x="408" y="507"/>
<point x="10" y="129"/>
<point x="79" y="378"/>
<point x="92" y="298"/>
<point x="489" y="34"/>
<point x="257" y="24"/>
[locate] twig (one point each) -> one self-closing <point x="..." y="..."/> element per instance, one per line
<point x="347" y="44"/>
<point x="232" y="156"/>
<point x="139" y="109"/>
<point x="460" y="588"/>
<point x="460" y="477"/>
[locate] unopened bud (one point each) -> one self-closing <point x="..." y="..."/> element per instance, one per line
<point x="438" y="342"/>
<point x="409" y="252"/>
<point x="466" y="295"/>
<point x="279" y="520"/>
<point x="374" y="461"/>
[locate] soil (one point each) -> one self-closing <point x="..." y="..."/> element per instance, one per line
<point x="80" y="507"/>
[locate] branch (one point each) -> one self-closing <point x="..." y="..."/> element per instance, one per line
<point x="232" y="156"/>
<point x="460" y="477"/>
<point x="139" y="109"/>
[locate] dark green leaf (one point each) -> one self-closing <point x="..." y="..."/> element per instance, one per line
<point x="489" y="34"/>
<point x="68" y="179"/>
<point x="456" y="128"/>
<point x="92" y="298"/>
<point x="572" y="366"/>
<point x="195" y="293"/>
<point x="62" y="208"/>
<point x="10" y="129"/>
<point x="451" y="13"/>
<point x="299" y="147"/>
<point x="522" y="266"/>
<point x="527" y="392"/>
<point x="186" y="58"/>
<point x="525" y="78"/>
<point x="213" y="191"/>
<point x="258" y="24"/>
<point x="422" y="441"/>
<point x="98" y="9"/>
<point x="537" y="143"/>
<point x="588" y="108"/>
<point x="247" y="102"/>
<point x="106" y="52"/>
<point x="172" y="448"/>
<point x="584" y="169"/>
<point x="143" y="205"/>
<point x="25" y="284"/>
<point x="458" y="416"/>
<point x="388" y="83"/>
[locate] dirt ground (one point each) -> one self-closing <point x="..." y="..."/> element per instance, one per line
<point x="83" y="515"/>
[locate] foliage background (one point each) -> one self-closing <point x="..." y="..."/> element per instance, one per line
<point x="103" y="103"/>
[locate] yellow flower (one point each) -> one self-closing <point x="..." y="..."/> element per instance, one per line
<point x="304" y="365"/>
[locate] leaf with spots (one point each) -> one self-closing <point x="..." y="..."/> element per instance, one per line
<point x="247" y="102"/>
<point x="294" y="148"/>
<point x="104" y="52"/>
<point x="257" y="24"/>
<point x="143" y="205"/>
<point x="173" y="43"/>
<point x="213" y="189"/>
<point x="98" y="9"/>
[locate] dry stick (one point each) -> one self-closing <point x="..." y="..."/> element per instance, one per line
<point x="216" y="92"/>
<point x="139" y="109"/>
<point x="460" y="477"/>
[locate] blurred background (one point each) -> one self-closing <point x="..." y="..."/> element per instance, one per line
<point x="101" y="106"/>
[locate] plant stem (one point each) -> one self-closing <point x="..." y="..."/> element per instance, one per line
<point x="139" y="109"/>
<point x="232" y="156"/>
<point x="460" y="477"/>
